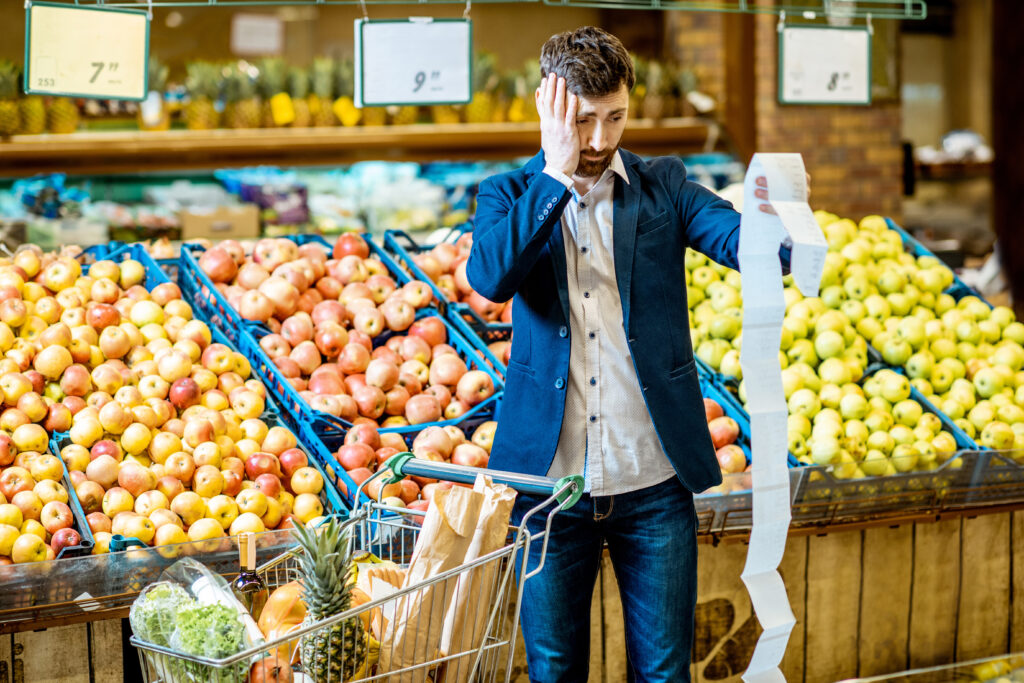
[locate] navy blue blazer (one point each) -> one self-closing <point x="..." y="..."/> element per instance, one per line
<point x="518" y="251"/>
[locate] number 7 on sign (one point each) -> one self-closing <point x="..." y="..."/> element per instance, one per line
<point x="99" y="68"/>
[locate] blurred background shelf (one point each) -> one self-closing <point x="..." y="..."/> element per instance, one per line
<point x="135" y="151"/>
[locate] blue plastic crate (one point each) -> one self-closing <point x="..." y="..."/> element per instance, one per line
<point x="331" y="425"/>
<point x="324" y="447"/>
<point x="81" y="525"/>
<point x="156" y="276"/>
<point x="204" y="297"/>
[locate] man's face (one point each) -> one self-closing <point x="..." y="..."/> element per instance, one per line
<point x="600" y="122"/>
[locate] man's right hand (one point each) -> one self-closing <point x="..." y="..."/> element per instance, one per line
<point x="558" y="135"/>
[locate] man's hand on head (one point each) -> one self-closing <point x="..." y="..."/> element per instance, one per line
<point x="558" y="135"/>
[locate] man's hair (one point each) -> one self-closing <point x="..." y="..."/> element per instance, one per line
<point x="593" y="62"/>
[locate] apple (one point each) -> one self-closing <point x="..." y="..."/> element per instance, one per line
<point x="474" y="386"/>
<point x="117" y="500"/>
<point x="469" y="455"/>
<point x="307" y="507"/>
<point x="291" y="460"/>
<point x="29" y="503"/>
<point x="370" y="400"/>
<point x="28" y="548"/>
<point x="262" y="463"/>
<point x="731" y="458"/>
<point x="150" y="501"/>
<point x="724" y="431"/>
<point x="10" y="514"/>
<point x="306" y="480"/>
<point x="90" y="496"/>
<point x="207" y="481"/>
<point x="423" y="408"/>
<point x="354" y="456"/>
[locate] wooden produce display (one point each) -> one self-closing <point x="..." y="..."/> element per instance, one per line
<point x="135" y="151"/>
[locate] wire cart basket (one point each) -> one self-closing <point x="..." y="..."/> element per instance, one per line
<point x="481" y="651"/>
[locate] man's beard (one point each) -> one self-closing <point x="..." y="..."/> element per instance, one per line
<point x="594" y="169"/>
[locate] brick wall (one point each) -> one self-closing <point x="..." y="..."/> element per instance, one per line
<point x="852" y="153"/>
<point x="696" y="41"/>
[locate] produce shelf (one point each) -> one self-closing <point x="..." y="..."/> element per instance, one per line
<point x="136" y="152"/>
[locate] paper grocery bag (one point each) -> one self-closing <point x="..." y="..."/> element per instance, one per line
<point x="466" y="620"/>
<point x="414" y="634"/>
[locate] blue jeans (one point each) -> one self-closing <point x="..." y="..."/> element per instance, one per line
<point x="652" y="540"/>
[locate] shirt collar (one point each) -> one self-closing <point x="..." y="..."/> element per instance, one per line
<point x="618" y="167"/>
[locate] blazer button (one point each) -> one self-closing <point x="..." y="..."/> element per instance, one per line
<point x="559" y="383"/>
<point x="540" y="217"/>
<point x="563" y="331"/>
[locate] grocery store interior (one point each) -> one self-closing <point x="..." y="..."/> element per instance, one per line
<point x="229" y="304"/>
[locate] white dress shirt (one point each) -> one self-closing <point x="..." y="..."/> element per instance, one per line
<point x="607" y="433"/>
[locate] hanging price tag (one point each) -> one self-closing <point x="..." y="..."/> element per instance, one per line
<point x="81" y="51"/>
<point x="413" y="61"/>
<point x="819" y="65"/>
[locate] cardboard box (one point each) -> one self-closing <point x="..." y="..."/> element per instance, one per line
<point x="220" y="223"/>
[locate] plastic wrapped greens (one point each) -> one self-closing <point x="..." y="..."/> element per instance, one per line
<point x="192" y="610"/>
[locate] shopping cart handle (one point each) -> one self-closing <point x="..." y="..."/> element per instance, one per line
<point x="568" y="489"/>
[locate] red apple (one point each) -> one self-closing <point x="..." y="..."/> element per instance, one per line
<point x="218" y="264"/>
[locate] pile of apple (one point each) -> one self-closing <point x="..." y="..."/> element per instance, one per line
<point x="162" y="425"/>
<point x="445" y="265"/>
<point x="365" y="450"/>
<point x="36" y="522"/>
<point x="324" y="315"/>
<point x="724" y="432"/>
<point x="871" y="290"/>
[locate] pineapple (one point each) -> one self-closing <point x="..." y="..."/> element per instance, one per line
<point x="684" y="82"/>
<point x="322" y="99"/>
<point x="157" y="86"/>
<point x="62" y="115"/>
<point x="10" y="112"/>
<point x="531" y="76"/>
<point x="485" y="83"/>
<point x="298" y="88"/>
<point x="33" y="115"/>
<point x="335" y="653"/>
<point x="659" y="86"/>
<point x="402" y="116"/>
<point x="202" y="81"/>
<point x="344" y="107"/>
<point x="243" y="107"/>
<point x="636" y="97"/>
<point x="277" y="105"/>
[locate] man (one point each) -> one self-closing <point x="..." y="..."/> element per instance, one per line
<point x="589" y="239"/>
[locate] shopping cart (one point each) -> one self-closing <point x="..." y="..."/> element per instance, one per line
<point x="390" y="533"/>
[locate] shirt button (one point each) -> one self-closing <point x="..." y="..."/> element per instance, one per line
<point x="593" y="381"/>
<point x="586" y="295"/>
<point x="592" y="335"/>
<point x="593" y="418"/>
<point x="584" y="250"/>
<point x="583" y="205"/>
<point x="563" y="331"/>
<point x="559" y="383"/>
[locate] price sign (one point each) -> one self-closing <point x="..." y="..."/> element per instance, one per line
<point x="81" y="51"/>
<point x="413" y="61"/>
<point x="824" y="65"/>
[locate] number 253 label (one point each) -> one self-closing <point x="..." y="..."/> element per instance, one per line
<point x="413" y="61"/>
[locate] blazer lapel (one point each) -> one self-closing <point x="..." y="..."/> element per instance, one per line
<point x="556" y="244"/>
<point x="625" y="212"/>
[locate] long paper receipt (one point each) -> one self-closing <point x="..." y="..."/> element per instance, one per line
<point x="764" y="307"/>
